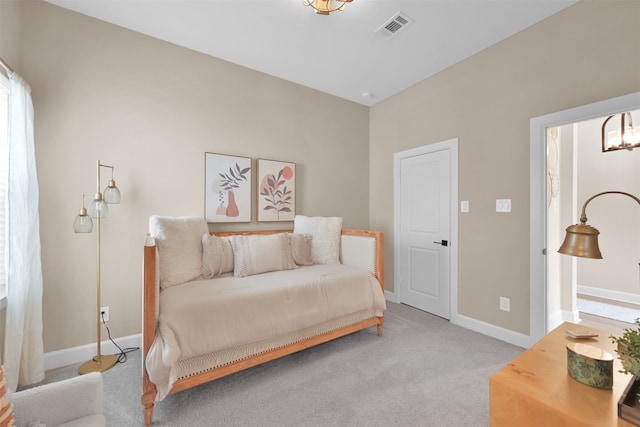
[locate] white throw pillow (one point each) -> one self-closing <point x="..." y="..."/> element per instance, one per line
<point x="179" y="243"/>
<point x="217" y="256"/>
<point x="325" y="232"/>
<point x="259" y="253"/>
<point x="301" y="248"/>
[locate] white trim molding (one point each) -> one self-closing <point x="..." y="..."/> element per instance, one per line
<point x="503" y="334"/>
<point x="70" y="356"/>
<point x="392" y="296"/>
<point x="609" y="294"/>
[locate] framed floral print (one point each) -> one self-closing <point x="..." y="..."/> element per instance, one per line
<point x="276" y="183"/>
<point x="227" y="188"/>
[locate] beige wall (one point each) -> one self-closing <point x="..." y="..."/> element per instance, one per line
<point x="487" y="101"/>
<point x="152" y="110"/>
<point x="567" y="211"/>
<point x="10" y="17"/>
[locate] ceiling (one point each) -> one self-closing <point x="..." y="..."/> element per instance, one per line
<point x="340" y="54"/>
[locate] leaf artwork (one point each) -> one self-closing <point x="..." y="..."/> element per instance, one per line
<point x="275" y="193"/>
<point x="234" y="178"/>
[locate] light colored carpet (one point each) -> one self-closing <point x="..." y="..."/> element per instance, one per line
<point x="423" y="371"/>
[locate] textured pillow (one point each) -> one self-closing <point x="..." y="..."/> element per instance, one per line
<point x="325" y="232"/>
<point x="301" y="248"/>
<point x="179" y="243"/>
<point x="217" y="256"/>
<point x="261" y="253"/>
<point x="6" y="414"/>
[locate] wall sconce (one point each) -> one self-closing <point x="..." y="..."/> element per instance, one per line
<point x="625" y="138"/>
<point x="581" y="239"/>
<point x="84" y="224"/>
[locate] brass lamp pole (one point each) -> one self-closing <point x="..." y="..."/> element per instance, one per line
<point x="83" y="224"/>
<point x="581" y="239"/>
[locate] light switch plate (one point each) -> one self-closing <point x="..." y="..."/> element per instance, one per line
<point x="503" y="205"/>
<point x="464" y="206"/>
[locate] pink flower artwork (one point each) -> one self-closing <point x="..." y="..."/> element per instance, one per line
<point x="276" y="198"/>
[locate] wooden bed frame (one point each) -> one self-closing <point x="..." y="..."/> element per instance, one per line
<point x="149" y="390"/>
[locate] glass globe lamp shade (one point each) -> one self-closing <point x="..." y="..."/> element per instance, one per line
<point x="98" y="207"/>
<point x="83" y="222"/>
<point x="111" y="193"/>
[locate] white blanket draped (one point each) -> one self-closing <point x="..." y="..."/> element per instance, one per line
<point x="201" y="318"/>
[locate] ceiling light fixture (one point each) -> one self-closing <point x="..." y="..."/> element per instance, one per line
<point x="625" y="138"/>
<point x="325" y="7"/>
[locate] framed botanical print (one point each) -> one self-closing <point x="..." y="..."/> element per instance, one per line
<point x="227" y="188"/>
<point x="276" y="190"/>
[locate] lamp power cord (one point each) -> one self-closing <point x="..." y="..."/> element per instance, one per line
<point x="122" y="356"/>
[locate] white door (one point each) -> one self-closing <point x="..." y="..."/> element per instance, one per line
<point x="424" y="265"/>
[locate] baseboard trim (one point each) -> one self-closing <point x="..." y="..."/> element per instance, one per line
<point x="494" y="331"/>
<point x="70" y="356"/>
<point x="559" y="317"/>
<point x="391" y="296"/>
<point x="506" y="335"/>
<point x="609" y="294"/>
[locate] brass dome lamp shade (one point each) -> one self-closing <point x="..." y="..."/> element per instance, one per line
<point x="325" y="7"/>
<point x="581" y="239"/>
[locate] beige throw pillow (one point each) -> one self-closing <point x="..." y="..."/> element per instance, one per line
<point x="301" y="248"/>
<point x="261" y="253"/>
<point x="326" y="232"/>
<point x="179" y="243"/>
<point x="217" y="256"/>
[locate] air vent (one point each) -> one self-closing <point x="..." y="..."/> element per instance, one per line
<point x="393" y="26"/>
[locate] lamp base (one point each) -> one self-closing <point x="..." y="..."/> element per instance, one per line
<point x="106" y="362"/>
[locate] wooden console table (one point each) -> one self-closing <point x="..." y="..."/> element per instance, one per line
<point x="536" y="390"/>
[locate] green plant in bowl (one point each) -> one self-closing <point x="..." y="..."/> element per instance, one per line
<point x="629" y="349"/>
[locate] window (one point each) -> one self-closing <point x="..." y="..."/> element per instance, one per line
<point x="4" y="166"/>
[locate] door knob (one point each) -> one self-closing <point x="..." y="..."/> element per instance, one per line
<point x="443" y="243"/>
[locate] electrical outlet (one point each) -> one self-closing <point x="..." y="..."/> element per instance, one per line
<point x="104" y="314"/>
<point x="505" y="304"/>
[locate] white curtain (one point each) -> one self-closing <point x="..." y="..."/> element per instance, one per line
<point x="23" y="349"/>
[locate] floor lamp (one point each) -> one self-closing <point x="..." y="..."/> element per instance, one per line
<point x="581" y="239"/>
<point x="84" y="224"/>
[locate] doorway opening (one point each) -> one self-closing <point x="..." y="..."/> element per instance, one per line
<point x="605" y="293"/>
<point x="545" y="316"/>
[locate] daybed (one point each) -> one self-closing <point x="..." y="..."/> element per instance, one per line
<point x="218" y="303"/>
